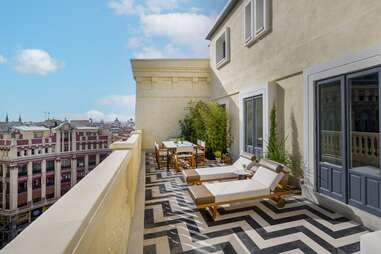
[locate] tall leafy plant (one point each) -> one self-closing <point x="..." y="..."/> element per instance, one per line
<point x="208" y="122"/>
<point x="216" y="127"/>
<point x="275" y="148"/>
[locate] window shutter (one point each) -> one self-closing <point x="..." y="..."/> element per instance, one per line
<point x="261" y="17"/>
<point x="248" y="21"/>
<point x="223" y="48"/>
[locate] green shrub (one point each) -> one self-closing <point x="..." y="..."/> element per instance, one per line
<point x="207" y="122"/>
<point x="275" y="148"/>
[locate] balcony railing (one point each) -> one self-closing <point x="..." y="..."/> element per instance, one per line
<point x="95" y="216"/>
<point x="365" y="148"/>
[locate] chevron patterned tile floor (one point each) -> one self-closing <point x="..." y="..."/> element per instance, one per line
<point x="174" y="225"/>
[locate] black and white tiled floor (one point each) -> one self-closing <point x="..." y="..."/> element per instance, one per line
<point x="174" y="225"/>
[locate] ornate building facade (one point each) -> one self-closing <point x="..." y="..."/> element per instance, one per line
<point x="38" y="165"/>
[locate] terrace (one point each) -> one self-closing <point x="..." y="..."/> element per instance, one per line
<point x="127" y="205"/>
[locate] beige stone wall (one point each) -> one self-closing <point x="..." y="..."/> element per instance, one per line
<point x="304" y="33"/>
<point x="164" y="89"/>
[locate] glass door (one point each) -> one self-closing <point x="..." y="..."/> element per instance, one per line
<point x="364" y="120"/>
<point x="331" y="175"/>
<point x="364" y="178"/>
<point x="253" y="117"/>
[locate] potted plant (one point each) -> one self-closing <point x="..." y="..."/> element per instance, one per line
<point x="226" y="157"/>
<point x="218" y="155"/>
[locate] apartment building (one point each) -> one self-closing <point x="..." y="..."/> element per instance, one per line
<point x="318" y="64"/>
<point x="38" y="165"/>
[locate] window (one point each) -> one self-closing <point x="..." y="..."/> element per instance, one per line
<point x="22" y="187"/>
<point x="32" y="151"/>
<point x="25" y="152"/>
<point x="248" y="19"/>
<point x="253" y="125"/>
<point x="92" y="160"/>
<point x="261" y="14"/>
<point x="37" y="134"/>
<point x="23" y="170"/>
<point x="65" y="164"/>
<point x="36" y="183"/>
<point x="223" y="48"/>
<point x="18" y="154"/>
<point x="46" y="150"/>
<point x="256" y="20"/>
<point x="50" y="181"/>
<point x="66" y="178"/>
<point x="80" y="162"/>
<point x="50" y="165"/>
<point x="36" y="167"/>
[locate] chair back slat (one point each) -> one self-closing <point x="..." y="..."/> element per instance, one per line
<point x="184" y="149"/>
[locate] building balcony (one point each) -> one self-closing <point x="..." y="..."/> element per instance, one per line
<point x="128" y="205"/>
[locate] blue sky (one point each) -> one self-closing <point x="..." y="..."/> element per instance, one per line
<point x="72" y="58"/>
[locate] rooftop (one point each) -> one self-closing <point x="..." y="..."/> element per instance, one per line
<point x="31" y="128"/>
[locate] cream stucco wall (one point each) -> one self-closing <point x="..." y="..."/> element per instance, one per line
<point x="303" y="34"/>
<point x="164" y="89"/>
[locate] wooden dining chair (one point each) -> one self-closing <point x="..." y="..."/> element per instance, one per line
<point x="184" y="158"/>
<point x="199" y="152"/>
<point x="161" y="155"/>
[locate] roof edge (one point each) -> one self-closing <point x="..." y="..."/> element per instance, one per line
<point x="221" y="17"/>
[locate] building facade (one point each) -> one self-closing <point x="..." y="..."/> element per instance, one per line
<point x="164" y="90"/>
<point x="38" y="165"/>
<point x="319" y="65"/>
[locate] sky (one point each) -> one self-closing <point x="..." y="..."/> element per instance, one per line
<point x="72" y="58"/>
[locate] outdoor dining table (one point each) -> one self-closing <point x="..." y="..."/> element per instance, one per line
<point x="171" y="146"/>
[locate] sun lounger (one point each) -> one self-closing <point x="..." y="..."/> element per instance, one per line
<point x="199" y="175"/>
<point x="266" y="183"/>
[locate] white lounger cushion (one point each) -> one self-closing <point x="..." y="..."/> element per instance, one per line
<point x="267" y="177"/>
<point x="241" y="189"/>
<point x="216" y="173"/>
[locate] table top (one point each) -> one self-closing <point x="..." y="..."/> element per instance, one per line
<point x="174" y="145"/>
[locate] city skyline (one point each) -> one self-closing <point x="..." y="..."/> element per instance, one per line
<point x="49" y="116"/>
<point x="79" y="66"/>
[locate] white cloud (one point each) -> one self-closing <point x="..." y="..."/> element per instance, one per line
<point x="122" y="7"/>
<point x="3" y="60"/>
<point x="96" y="115"/>
<point x="119" y="100"/>
<point x="150" y="52"/>
<point x="183" y="29"/>
<point x="157" y="6"/>
<point x="35" y="61"/>
<point x="134" y="42"/>
<point x="163" y="19"/>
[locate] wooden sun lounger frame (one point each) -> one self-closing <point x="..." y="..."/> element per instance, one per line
<point x="199" y="182"/>
<point x="276" y="195"/>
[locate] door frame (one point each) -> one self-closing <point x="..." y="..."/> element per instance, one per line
<point x="364" y="59"/>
